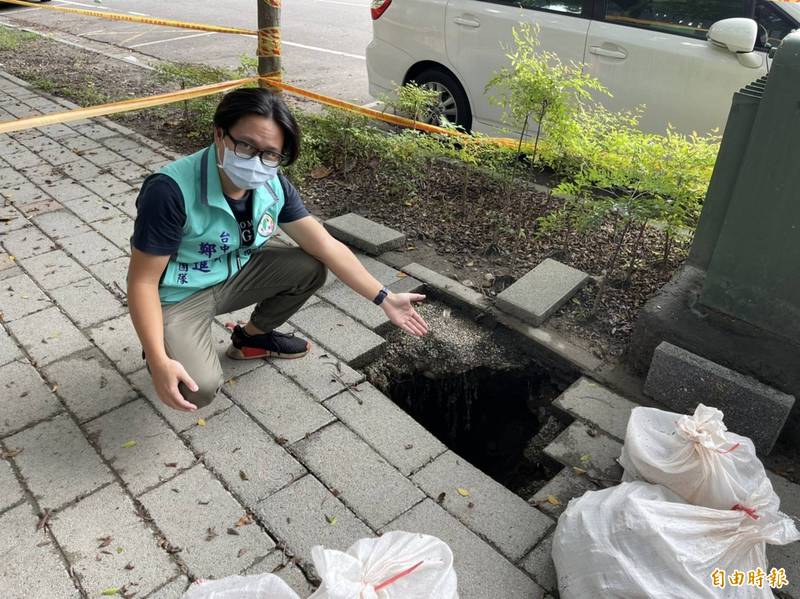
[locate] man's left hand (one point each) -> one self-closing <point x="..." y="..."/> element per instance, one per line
<point x="398" y="307"/>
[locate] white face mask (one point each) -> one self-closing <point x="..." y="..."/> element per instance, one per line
<point x="246" y="173"/>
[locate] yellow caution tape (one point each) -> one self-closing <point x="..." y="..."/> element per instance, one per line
<point x="78" y="114"/>
<point x="135" y="19"/>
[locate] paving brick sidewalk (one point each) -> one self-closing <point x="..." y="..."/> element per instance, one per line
<point x="141" y="498"/>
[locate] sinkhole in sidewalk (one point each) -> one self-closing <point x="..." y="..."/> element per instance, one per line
<point x="479" y="393"/>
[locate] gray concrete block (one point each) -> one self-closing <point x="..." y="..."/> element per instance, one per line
<point x="10" y="489"/>
<point x="9" y="350"/>
<point x="346" y="338"/>
<point x="542" y="291"/>
<point x="93" y="130"/>
<point x="80" y="143"/>
<point x="109" y="513"/>
<point x="101" y="156"/>
<point x="118" y="142"/>
<point x="482" y="571"/>
<point x="59" y="132"/>
<point x="53" y="269"/>
<point x="352" y="304"/>
<point x="278" y="403"/>
<point x="58" y="156"/>
<point x="31" y="566"/>
<point x="318" y="374"/>
<point x="490" y="510"/>
<point x="383" y="272"/>
<point x="24" y="397"/>
<point x="172" y="590"/>
<point x="126" y="202"/>
<point x="92" y="208"/>
<point x="12" y="219"/>
<point x="141" y="155"/>
<point x="89" y="384"/>
<point x="41" y="174"/>
<point x="407" y="284"/>
<point x="64" y="190"/>
<point x="788" y="492"/>
<point x="41" y="143"/>
<point x="19" y="296"/>
<point x="81" y="170"/>
<point x="23" y="195"/>
<point x="48" y="336"/>
<point x="563" y="487"/>
<point x="130" y="172"/>
<point x="591" y="450"/>
<point x="680" y="380"/>
<point x="113" y="273"/>
<point x="35" y="208"/>
<point x="250" y="462"/>
<point x="400" y="439"/>
<point x="178" y="420"/>
<point x="87" y="302"/>
<point x="539" y="564"/>
<point x="279" y="564"/>
<point x="192" y="506"/>
<point x="117" y="338"/>
<point x="8" y="267"/>
<point x="25" y="242"/>
<point x="57" y="462"/>
<point x="118" y="229"/>
<point x="306" y="514"/>
<point x="375" y="491"/>
<point x="597" y="406"/>
<point x="91" y="248"/>
<point x="140" y="447"/>
<point x="22" y="159"/>
<point x="788" y="558"/>
<point x="451" y="291"/>
<point x="10" y="177"/>
<point x="106" y="185"/>
<point x="364" y="234"/>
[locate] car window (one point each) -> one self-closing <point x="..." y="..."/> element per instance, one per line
<point x="684" y="17"/>
<point x="573" y="7"/>
<point x="773" y="24"/>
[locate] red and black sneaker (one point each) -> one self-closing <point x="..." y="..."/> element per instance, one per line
<point x="267" y="345"/>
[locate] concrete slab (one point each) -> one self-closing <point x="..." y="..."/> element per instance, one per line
<point x="481" y="571"/>
<point x="552" y="499"/>
<point x="89" y="370"/>
<point x="598" y="406"/>
<point x="395" y="435"/>
<point x="10" y="489"/>
<point x="31" y="565"/>
<point x="12" y="219"/>
<point x="57" y="462"/>
<point x="109" y="514"/>
<point x="588" y="449"/>
<point x="680" y="380"/>
<point x="25" y="398"/>
<point x="352" y="304"/>
<point x="113" y="273"/>
<point x="250" y="462"/>
<point x="48" y="336"/>
<point x="375" y="491"/>
<point x="118" y="229"/>
<point x="194" y="512"/>
<point x="276" y="401"/>
<point x="306" y="514"/>
<point x="451" y="291"/>
<point x="318" y="374"/>
<point x="172" y="590"/>
<point x="279" y="564"/>
<point x="9" y="350"/>
<point x="53" y="269"/>
<point x="543" y="290"/>
<point x="26" y="242"/>
<point x="87" y="302"/>
<point x="117" y="338"/>
<point x="60" y="224"/>
<point x="92" y="208"/>
<point x="348" y="339"/>
<point x="20" y="296"/>
<point x="483" y="505"/>
<point x="539" y="564"/>
<point x="91" y="248"/>
<point x="364" y="234"/>
<point x="106" y="185"/>
<point x="143" y="450"/>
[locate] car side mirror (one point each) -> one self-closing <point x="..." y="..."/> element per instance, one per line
<point x="736" y="35"/>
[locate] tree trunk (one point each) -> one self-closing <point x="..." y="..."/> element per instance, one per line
<point x="612" y="263"/>
<point x="538" y="132"/>
<point x="635" y="254"/>
<point x="269" y="40"/>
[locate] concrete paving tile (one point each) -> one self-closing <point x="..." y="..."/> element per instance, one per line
<point x="106" y="185"/>
<point x="172" y="590"/>
<point x="29" y="241"/>
<point x="60" y="224"/>
<point x="113" y="273"/>
<point x="94" y="130"/>
<point x="373" y="238"/>
<point x="41" y="174"/>
<point x="482" y="572"/>
<point x="352" y="304"/>
<point x="9" y="350"/>
<point x="89" y="385"/>
<point x="20" y="296"/>
<point x="58" y="156"/>
<point x="232" y="444"/>
<point x="189" y="509"/>
<point x="592" y="403"/>
<point x="11" y="219"/>
<point x="278" y="403"/>
<point x="539" y="564"/>
<point x="24" y="397"/>
<point x="22" y="159"/>
<point x="118" y="229"/>
<point x="91" y="248"/>
<point x="318" y="373"/>
<point x="87" y="302"/>
<point x="31" y="566"/>
<point x="81" y="169"/>
<point x="279" y="564"/>
<point x="141" y="448"/>
<point x="92" y="208"/>
<point x="80" y="143"/>
<point x="109" y="514"/>
<point x="588" y="449"/>
<point x="24" y="194"/>
<point x="178" y="420"/>
<point x="128" y="171"/>
<point x="37" y="208"/>
<point x="495" y="513"/>
<point x="372" y="488"/>
<point x="48" y="336"/>
<point x="57" y="462"/>
<point x="10" y="490"/>
<point x="10" y="177"/>
<point x="101" y="156"/>
<point x="65" y="189"/>
<point x="306" y="514"/>
<point x="564" y="486"/>
<point x="53" y="269"/>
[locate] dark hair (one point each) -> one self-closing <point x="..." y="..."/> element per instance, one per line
<point x="261" y="102"/>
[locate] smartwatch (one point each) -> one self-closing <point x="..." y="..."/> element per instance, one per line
<point x="381" y="296"/>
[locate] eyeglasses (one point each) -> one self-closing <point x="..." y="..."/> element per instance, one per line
<point x="244" y="150"/>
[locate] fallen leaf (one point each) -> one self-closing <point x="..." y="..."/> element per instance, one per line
<point x="440" y="498"/>
<point x="244" y="521"/>
<point x="335" y="492"/>
<point x="470" y="505"/>
<point x="171" y="464"/>
<point x="129" y="444"/>
<point x="119" y="550"/>
<point x="201" y="422"/>
<point x="586" y="457"/>
<point x="242" y="551"/>
<point x="553" y="500"/>
<point x="401" y="275"/>
<point x="331" y="519"/>
<point x="104" y="541"/>
<point x="243" y="475"/>
<point x="409" y="446"/>
<point x="462" y="491"/>
<point x="578" y="471"/>
<point x="233" y="531"/>
<point x="320" y="172"/>
<point x="11" y="453"/>
<point x="129" y="566"/>
<point x="43" y="521"/>
<point x="211" y="533"/>
<point x="110" y="592"/>
<point x="281" y="440"/>
<point x="201" y="502"/>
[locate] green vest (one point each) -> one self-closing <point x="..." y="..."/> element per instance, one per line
<point x="210" y="250"/>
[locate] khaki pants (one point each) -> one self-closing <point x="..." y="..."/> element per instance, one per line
<point x="277" y="279"/>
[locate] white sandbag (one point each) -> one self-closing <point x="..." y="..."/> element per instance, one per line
<point x="396" y="565"/>
<point x="261" y="586"/>
<point x="695" y="457"/>
<point x="639" y="541"/>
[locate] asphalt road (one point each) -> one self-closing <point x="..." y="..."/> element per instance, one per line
<point x="323" y="40"/>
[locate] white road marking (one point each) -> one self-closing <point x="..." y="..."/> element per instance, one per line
<point x="173" y="39"/>
<point x="138" y="14"/>
<point x="325" y="50"/>
<point x="92" y="6"/>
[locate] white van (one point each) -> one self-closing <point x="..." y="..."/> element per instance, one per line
<point x="651" y="52"/>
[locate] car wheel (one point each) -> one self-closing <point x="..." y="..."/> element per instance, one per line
<point x="453" y="104"/>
